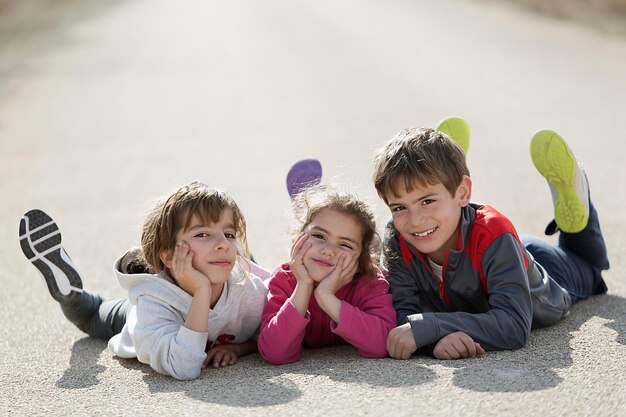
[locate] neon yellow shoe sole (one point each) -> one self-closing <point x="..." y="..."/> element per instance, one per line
<point x="458" y="129"/>
<point x="568" y="183"/>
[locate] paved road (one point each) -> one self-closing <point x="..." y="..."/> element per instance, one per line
<point x="103" y="115"/>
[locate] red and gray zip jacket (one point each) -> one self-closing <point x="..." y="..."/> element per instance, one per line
<point x="491" y="287"/>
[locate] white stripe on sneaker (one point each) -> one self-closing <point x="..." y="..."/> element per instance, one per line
<point x="41" y="239"/>
<point x="44" y="253"/>
<point x="30" y="232"/>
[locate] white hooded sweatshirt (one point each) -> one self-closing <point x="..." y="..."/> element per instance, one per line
<point x="154" y="331"/>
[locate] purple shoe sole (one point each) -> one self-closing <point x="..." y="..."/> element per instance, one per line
<point x="304" y="173"/>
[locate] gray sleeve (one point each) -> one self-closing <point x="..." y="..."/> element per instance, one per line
<point x="551" y="302"/>
<point x="161" y="340"/>
<point x="507" y="324"/>
<point x="402" y="285"/>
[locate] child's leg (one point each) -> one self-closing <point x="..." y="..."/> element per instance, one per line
<point x="580" y="278"/>
<point x="588" y="243"/>
<point x="102" y="322"/>
<point x="581" y="253"/>
<point x="40" y="240"/>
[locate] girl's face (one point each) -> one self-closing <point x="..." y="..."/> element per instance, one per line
<point x="331" y="233"/>
<point x="214" y="246"/>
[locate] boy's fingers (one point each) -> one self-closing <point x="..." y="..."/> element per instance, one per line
<point x="469" y="346"/>
<point x="453" y="352"/>
<point x="391" y="344"/>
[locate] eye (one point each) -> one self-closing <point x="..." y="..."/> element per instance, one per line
<point x="396" y="209"/>
<point x="428" y="201"/>
<point x="201" y="234"/>
<point x="318" y="236"/>
<point x="230" y="235"/>
<point x="346" y="245"/>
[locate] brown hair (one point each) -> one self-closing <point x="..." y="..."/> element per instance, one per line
<point x="419" y="156"/>
<point x="174" y="213"/>
<point x="312" y="200"/>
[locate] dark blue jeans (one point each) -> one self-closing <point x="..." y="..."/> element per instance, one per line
<point x="577" y="261"/>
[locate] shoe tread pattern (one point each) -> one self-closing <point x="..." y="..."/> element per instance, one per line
<point x="36" y="240"/>
<point x="553" y="159"/>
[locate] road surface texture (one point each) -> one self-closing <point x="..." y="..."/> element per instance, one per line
<point x="122" y="102"/>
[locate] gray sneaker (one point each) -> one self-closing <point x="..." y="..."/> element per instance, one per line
<point x="566" y="177"/>
<point x="40" y="240"/>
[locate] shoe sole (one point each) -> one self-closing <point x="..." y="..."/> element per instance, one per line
<point x="458" y="129"/>
<point x="40" y="240"/>
<point x="304" y="173"/>
<point x="555" y="161"/>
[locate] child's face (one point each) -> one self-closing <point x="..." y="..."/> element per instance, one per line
<point x="428" y="216"/>
<point x="331" y="233"/>
<point x="214" y="246"/>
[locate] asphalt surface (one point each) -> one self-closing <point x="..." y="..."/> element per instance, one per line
<point x="102" y="114"/>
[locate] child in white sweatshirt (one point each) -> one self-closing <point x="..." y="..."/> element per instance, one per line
<point x="192" y="300"/>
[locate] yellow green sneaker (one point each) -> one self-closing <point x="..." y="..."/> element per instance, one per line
<point x="566" y="177"/>
<point x="457" y="129"/>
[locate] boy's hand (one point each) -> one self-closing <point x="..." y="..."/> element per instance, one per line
<point x="401" y="342"/>
<point x="456" y="346"/>
<point x="186" y="276"/>
<point x="342" y="274"/>
<point x="221" y="356"/>
<point x="298" y="250"/>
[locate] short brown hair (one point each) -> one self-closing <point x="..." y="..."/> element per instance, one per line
<point x="419" y="156"/>
<point x="174" y="213"/>
<point x="312" y="200"/>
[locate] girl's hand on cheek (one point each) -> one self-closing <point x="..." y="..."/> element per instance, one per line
<point x="185" y="275"/>
<point x="342" y="274"/>
<point x="298" y="251"/>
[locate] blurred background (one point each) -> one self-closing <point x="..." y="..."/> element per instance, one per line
<point x="106" y="105"/>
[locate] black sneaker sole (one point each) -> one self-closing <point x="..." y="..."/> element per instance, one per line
<point x="40" y="240"/>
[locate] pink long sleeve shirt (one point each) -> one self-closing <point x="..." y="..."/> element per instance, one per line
<point x="366" y="317"/>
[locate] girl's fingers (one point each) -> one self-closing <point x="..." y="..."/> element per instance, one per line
<point x="339" y="266"/>
<point x="301" y="252"/>
<point x="295" y="248"/>
<point x="349" y="267"/>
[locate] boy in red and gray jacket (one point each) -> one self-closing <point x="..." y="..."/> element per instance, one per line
<point x="463" y="281"/>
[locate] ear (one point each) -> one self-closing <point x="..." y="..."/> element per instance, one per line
<point x="464" y="191"/>
<point x="166" y="257"/>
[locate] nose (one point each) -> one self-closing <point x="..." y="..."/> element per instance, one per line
<point x="328" y="249"/>
<point x="415" y="217"/>
<point x="222" y="242"/>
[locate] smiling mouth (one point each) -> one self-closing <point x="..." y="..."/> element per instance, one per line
<point x="323" y="263"/>
<point x="425" y="233"/>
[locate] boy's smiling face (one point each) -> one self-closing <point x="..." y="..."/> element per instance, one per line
<point x="428" y="216"/>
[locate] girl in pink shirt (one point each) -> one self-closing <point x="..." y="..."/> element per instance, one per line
<point x="331" y="291"/>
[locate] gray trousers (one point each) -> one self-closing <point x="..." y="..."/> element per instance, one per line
<point x="96" y="316"/>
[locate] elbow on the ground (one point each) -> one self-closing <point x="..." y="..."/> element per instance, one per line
<point x="275" y="358"/>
